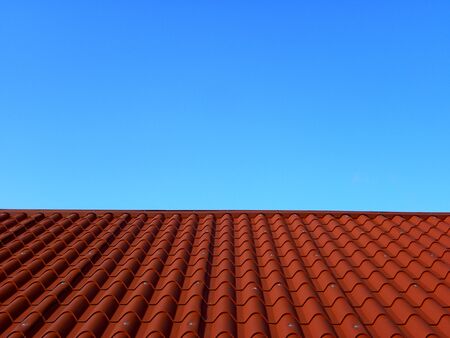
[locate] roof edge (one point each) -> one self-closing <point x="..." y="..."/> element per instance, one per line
<point x="233" y="212"/>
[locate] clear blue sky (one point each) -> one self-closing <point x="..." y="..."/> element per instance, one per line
<point x="225" y="105"/>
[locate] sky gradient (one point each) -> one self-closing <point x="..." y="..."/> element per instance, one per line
<point x="225" y="105"/>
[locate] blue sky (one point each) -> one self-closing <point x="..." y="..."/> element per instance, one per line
<point x="225" y="105"/>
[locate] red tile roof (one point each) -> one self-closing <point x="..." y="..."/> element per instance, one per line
<point x="211" y="273"/>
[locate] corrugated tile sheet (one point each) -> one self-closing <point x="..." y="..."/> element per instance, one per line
<point x="218" y="273"/>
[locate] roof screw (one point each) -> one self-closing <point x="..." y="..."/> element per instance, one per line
<point x="291" y="325"/>
<point x="279" y="284"/>
<point x="317" y="255"/>
<point x="197" y="283"/>
<point x="191" y="323"/>
<point x="415" y="285"/>
<point x="125" y="323"/>
<point x="333" y="285"/>
<point x="24" y="324"/>
<point x="356" y="326"/>
<point x="145" y="283"/>
<point x="62" y="282"/>
<point x="385" y="256"/>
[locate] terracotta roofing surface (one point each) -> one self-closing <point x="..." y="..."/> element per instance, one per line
<point x="224" y="273"/>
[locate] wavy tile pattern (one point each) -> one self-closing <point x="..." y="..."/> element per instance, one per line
<point x="219" y="273"/>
